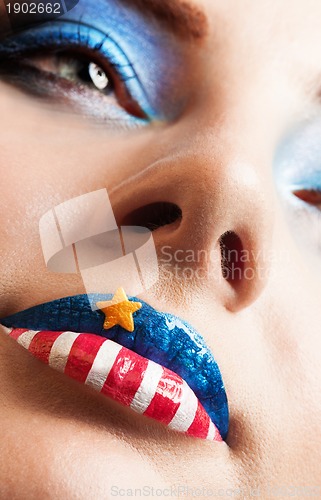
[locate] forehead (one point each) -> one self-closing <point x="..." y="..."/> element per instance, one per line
<point x="285" y="33"/>
<point x="266" y="19"/>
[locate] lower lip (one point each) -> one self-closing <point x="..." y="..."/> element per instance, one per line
<point x="122" y="375"/>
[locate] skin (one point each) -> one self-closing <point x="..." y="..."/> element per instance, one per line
<point x="253" y="77"/>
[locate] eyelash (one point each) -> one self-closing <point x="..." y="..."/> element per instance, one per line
<point x="311" y="196"/>
<point x="76" y="38"/>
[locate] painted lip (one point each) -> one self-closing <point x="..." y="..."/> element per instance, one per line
<point x="170" y="373"/>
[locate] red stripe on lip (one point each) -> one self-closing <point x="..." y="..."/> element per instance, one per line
<point x="125" y="377"/>
<point x="15" y="334"/>
<point x="200" y="423"/>
<point x="167" y="398"/>
<point x="82" y="355"/>
<point x="41" y="345"/>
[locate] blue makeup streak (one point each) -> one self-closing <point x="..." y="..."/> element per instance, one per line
<point x="161" y="337"/>
<point x="143" y="58"/>
<point x="297" y="162"/>
<point x="71" y="34"/>
<point x="155" y="54"/>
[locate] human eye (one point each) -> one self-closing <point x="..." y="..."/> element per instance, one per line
<point x="102" y="59"/>
<point x="298" y="175"/>
<point x="79" y="65"/>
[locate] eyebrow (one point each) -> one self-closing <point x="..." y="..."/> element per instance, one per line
<point x="179" y="16"/>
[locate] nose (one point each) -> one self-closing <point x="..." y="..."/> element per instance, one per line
<point x="210" y="221"/>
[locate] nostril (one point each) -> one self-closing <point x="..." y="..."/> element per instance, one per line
<point x="154" y="215"/>
<point x="231" y="257"/>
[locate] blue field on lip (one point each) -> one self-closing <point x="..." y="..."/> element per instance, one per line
<point x="160" y="337"/>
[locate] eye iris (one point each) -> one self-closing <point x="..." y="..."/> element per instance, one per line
<point x="98" y="76"/>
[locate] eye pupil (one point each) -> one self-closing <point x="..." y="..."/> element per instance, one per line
<point x="98" y="76"/>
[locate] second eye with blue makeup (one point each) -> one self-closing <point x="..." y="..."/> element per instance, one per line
<point x="298" y="175"/>
<point x="101" y="57"/>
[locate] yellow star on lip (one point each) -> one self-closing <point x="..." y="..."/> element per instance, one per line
<point x="119" y="311"/>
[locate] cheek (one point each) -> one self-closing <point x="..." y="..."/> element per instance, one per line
<point x="32" y="172"/>
<point x="46" y="158"/>
<point x="292" y="320"/>
<point x="41" y="415"/>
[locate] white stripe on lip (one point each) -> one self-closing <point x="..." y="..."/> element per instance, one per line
<point x="25" y="338"/>
<point x="60" y="350"/>
<point x="102" y="364"/>
<point x="147" y="388"/>
<point x="6" y="330"/>
<point x="211" y="431"/>
<point x="185" y="414"/>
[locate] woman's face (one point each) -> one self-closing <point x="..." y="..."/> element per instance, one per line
<point x="220" y="132"/>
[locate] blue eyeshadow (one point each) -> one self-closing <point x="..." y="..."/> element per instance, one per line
<point x="297" y="163"/>
<point x="154" y="53"/>
<point x="146" y="59"/>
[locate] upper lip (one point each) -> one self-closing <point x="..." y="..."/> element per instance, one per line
<point x="158" y="336"/>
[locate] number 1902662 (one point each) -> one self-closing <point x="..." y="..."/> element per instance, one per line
<point x="34" y="8"/>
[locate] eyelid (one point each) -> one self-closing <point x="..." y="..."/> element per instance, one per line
<point x="72" y="35"/>
<point x="308" y="195"/>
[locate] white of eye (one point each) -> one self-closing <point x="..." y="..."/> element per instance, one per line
<point x="98" y="76"/>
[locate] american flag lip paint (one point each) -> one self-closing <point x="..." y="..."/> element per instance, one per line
<point x="122" y="375"/>
<point x="158" y="338"/>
